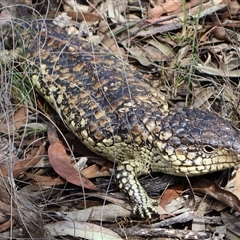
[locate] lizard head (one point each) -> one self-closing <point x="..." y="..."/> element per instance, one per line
<point x="196" y="142"/>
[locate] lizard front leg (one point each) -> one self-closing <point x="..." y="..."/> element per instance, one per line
<point x="126" y="177"/>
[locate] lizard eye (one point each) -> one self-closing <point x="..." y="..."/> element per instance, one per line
<point x="208" y="149"/>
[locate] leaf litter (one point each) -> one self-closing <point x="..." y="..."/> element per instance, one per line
<point x="190" y="52"/>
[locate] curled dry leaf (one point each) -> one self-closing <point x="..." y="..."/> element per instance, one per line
<point x="212" y="189"/>
<point x="77" y="7"/>
<point x="233" y="7"/>
<point x="140" y="54"/>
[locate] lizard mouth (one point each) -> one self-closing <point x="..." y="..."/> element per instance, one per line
<point x="209" y="165"/>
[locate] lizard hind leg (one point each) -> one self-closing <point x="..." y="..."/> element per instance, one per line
<point x="127" y="173"/>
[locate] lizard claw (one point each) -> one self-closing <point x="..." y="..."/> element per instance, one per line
<point x="146" y="208"/>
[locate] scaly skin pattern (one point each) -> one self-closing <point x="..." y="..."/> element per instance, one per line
<point x="109" y="107"/>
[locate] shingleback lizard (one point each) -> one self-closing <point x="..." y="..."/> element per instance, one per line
<point x="109" y="107"/>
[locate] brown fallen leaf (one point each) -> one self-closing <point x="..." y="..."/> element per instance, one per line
<point x="94" y="171"/>
<point x="61" y="163"/>
<point x="112" y="45"/>
<point x="21" y="166"/>
<point x="15" y="122"/>
<point x="189" y="5"/>
<point x="212" y="189"/>
<point x="167" y="7"/>
<point x="6" y="225"/>
<point x="171" y="193"/>
<point x="45" y="180"/>
<point x="82" y="16"/>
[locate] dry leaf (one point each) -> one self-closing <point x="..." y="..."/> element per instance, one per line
<point x="165" y="27"/>
<point x="95" y="213"/>
<point x="18" y="120"/>
<point x="23" y="165"/>
<point x="83" y="230"/>
<point x="61" y="164"/>
<point x="45" y="180"/>
<point x="156" y="2"/>
<point x="5" y="16"/>
<point x="81" y="16"/>
<point x="139" y="53"/>
<point x="232" y="224"/>
<point x="217" y="72"/>
<point x="167" y="7"/>
<point x="212" y="189"/>
<point x="202" y="96"/>
<point x="111" y="44"/>
<point x="6" y="225"/>
<point x="115" y="9"/>
<point x="171" y="193"/>
<point x="93" y="171"/>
